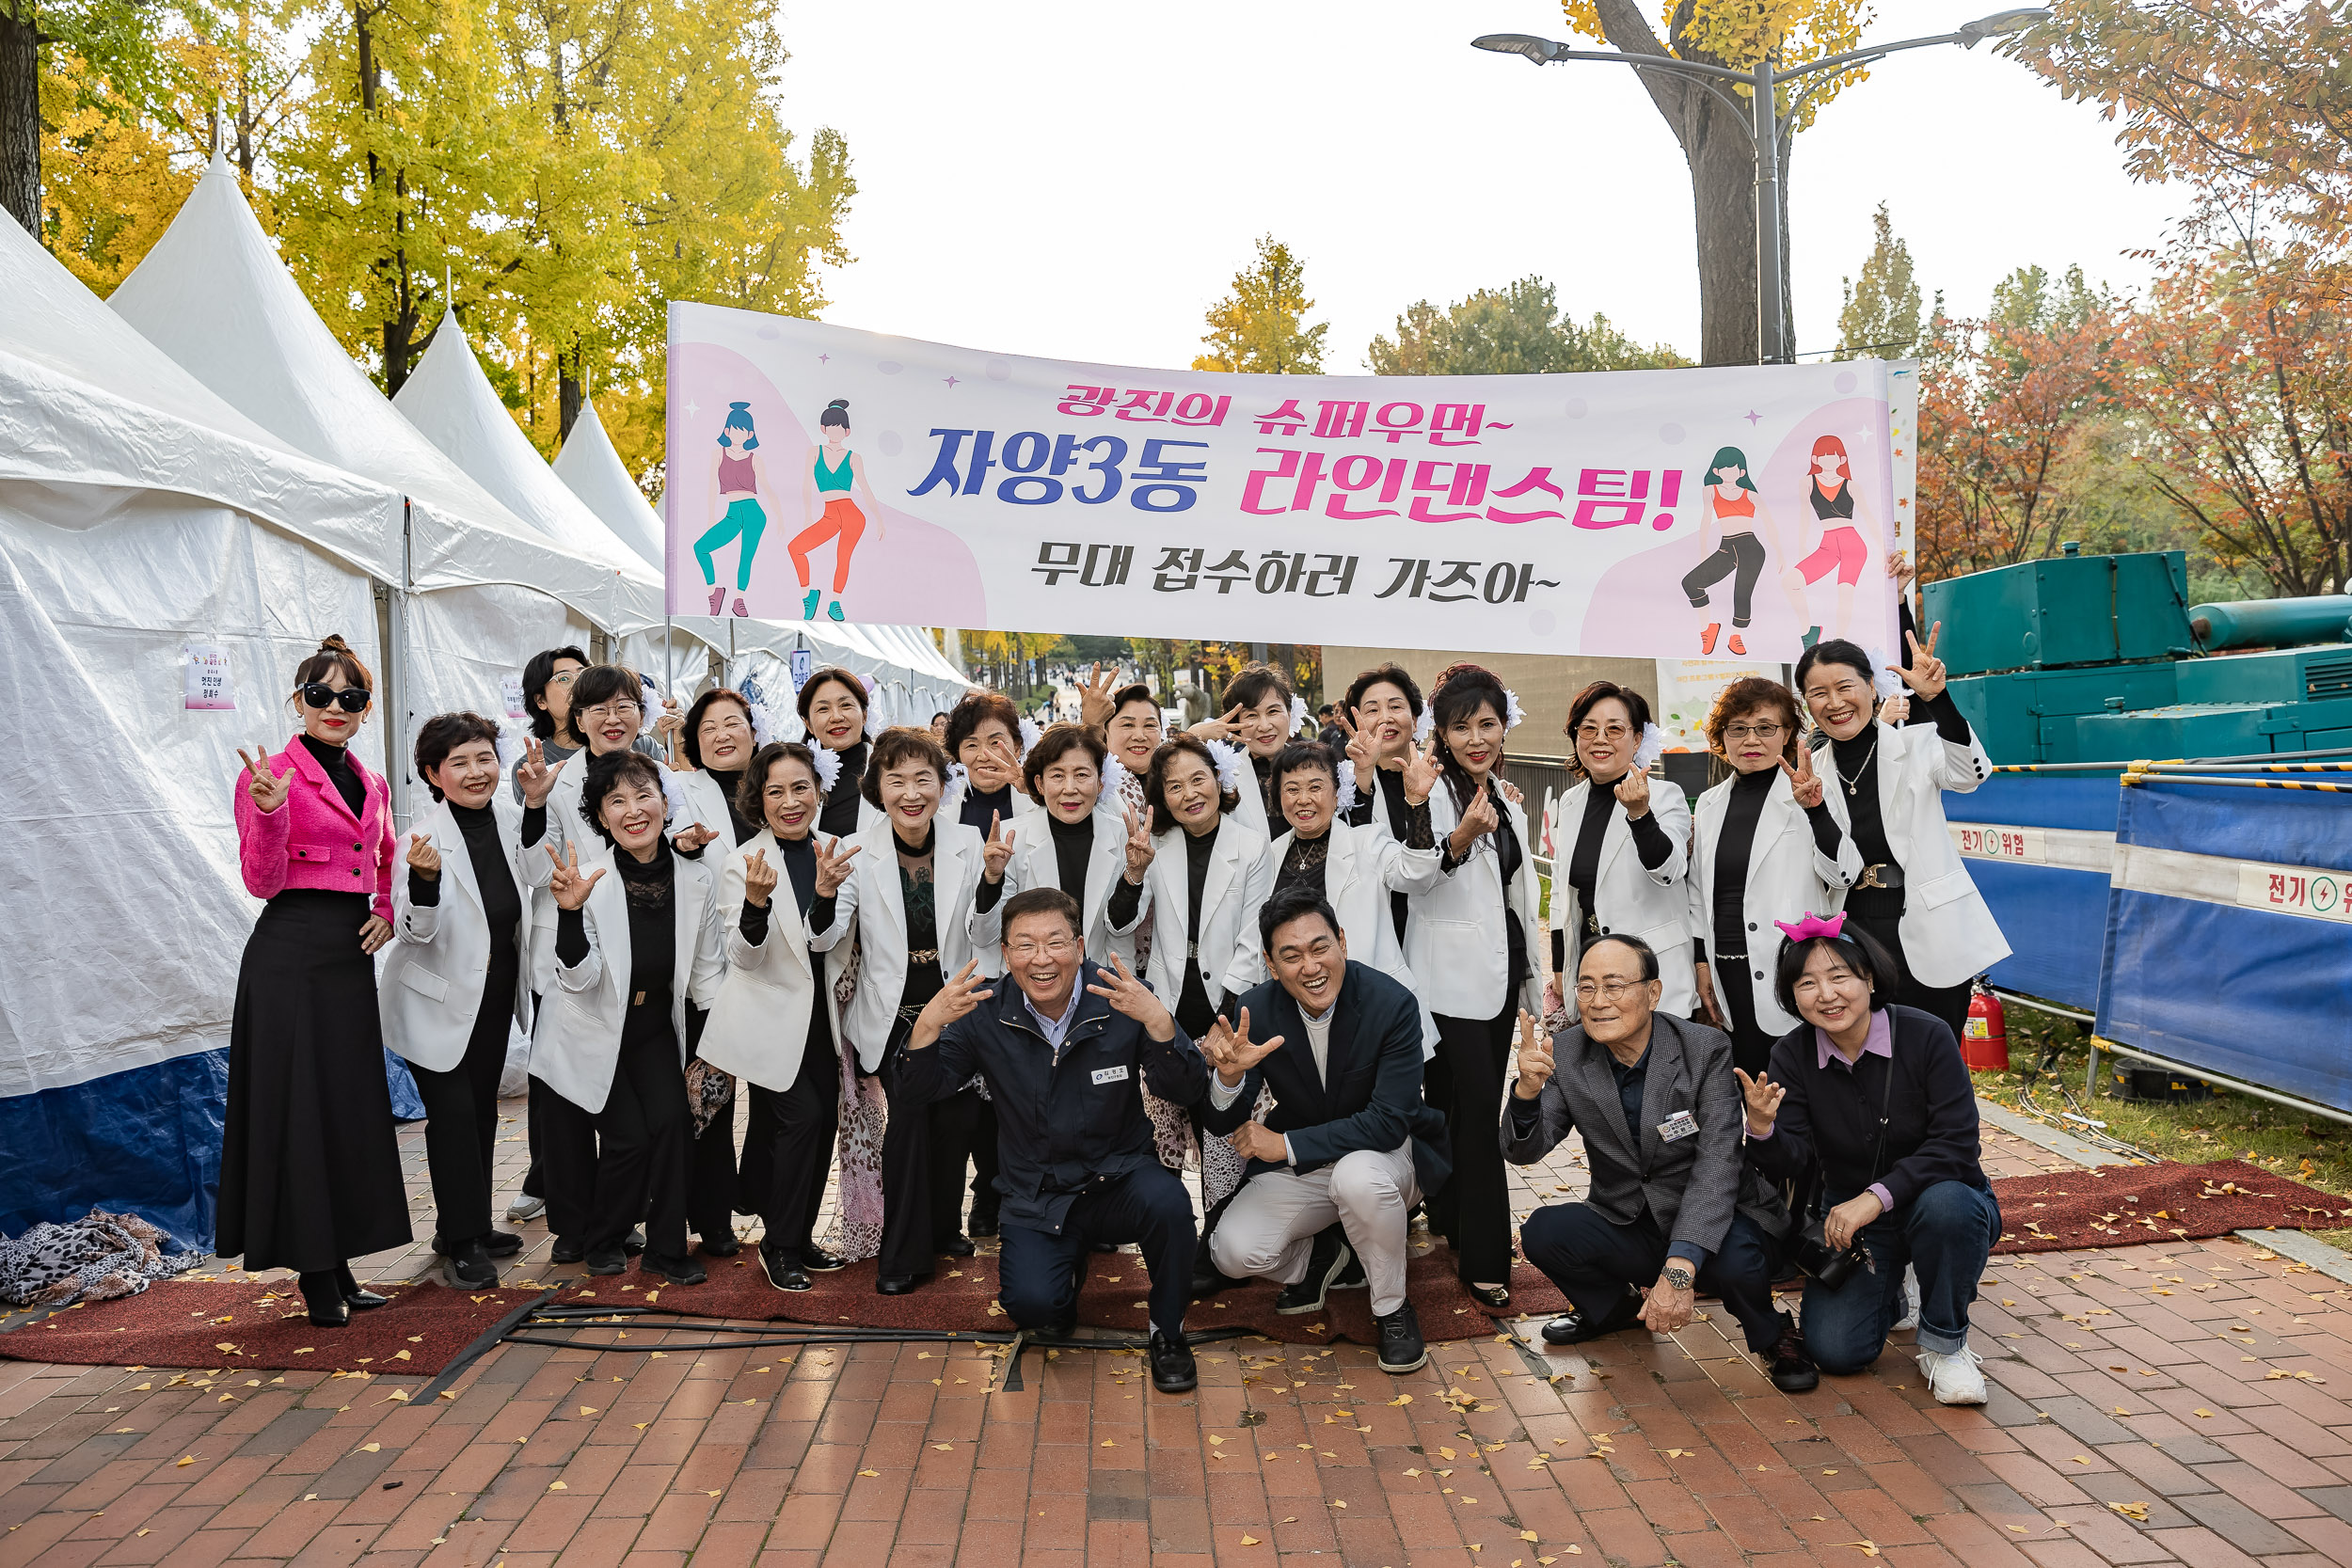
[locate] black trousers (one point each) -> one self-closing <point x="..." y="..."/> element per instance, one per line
<point x="1037" y="1275"/>
<point x="1881" y="917"/>
<point x="787" y="1148"/>
<point x="1735" y="990"/>
<point x="1474" y="1210"/>
<point x="1593" y="1260"/>
<point x="984" y="1194"/>
<point x="1743" y="553"/>
<point x="636" y="1147"/>
<point x="461" y="1108"/>
<point x="923" y="1152"/>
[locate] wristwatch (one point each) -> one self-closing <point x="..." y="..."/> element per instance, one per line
<point x="1678" y="1275"/>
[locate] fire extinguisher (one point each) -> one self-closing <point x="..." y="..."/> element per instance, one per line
<point x="1985" y="1045"/>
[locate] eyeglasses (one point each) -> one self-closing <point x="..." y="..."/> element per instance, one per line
<point x="1602" y="732"/>
<point x="1022" y="952"/>
<point x="351" y="699"/>
<point x="1611" y="991"/>
<point x="1751" y="731"/>
<point x="618" y="707"/>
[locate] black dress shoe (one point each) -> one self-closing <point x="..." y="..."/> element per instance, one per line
<point x="468" y="1268"/>
<point x="677" y="1271"/>
<point x="1494" y="1298"/>
<point x="1323" y="1263"/>
<point x="568" y="1249"/>
<point x="982" y="1224"/>
<point x="635" y="1241"/>
<point x="1173" y="1370"/>
<point x="1793" y="1371"/>
<point x="1571" y="1328"/>
<point x="324" y="1316"/>
<point x="608" y="1261"/>
<point x="354" y="1297"/>
<point x="960" y="1247"/>
<point x="815" y="1259"/>
<point x="323" y="1296"/>
<point x="784" y="1273"/>
<point x="894" y="1283"/>
<point x="1401" y="1347"/>
<point x="725" y="1245"/>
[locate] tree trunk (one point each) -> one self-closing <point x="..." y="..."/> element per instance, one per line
<point x="571" y="393"/>
<point x="20" y="114"/>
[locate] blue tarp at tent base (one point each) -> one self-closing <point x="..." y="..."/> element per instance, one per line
<point x="2053" y="915"/>
<point x="146" y="1142"/>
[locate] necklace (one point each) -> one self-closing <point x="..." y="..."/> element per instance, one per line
<point x="1854" y="787"/>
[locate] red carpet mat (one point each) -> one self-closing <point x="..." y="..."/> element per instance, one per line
<point x="229" y="1328"/>
<point x="2123" y="1205"/>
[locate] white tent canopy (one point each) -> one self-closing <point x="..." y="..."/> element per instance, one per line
<point x="592" y="470"/>
<point x="141" y="517"/>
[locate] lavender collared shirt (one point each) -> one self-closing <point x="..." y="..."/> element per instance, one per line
<point x="1879" y="1042"/>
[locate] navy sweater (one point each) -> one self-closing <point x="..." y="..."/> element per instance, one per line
<point x="1832" y="1111"/>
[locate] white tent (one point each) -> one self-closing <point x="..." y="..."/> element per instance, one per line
<point x="490" y="587"/>
<point x="592" y="470"/>
<point x="143" y="522"/>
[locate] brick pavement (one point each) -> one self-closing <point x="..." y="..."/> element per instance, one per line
<point x="2180" y="1403"/>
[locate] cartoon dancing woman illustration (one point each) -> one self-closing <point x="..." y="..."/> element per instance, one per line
<point x="737" y="482"/>
<point x="1841" y="547"/>
<point x="1734" y="516"/>
<point x="834" y="475"/>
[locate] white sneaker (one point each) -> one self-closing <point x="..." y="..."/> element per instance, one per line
<point x="1911" y="1300"/>
<point x="525" y="1207"/>
<point x="1954" y="1379"/>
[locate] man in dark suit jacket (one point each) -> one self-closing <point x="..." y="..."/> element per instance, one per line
<point x="1671" y="1199"/>
<point x="1349" y="1138"/>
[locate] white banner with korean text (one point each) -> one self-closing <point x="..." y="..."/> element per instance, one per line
<point x="817" y="472"/>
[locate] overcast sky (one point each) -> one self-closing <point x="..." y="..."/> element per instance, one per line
<point x="1080" y="181"/>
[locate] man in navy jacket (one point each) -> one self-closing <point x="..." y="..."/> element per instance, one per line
<point x="1349" y="1138"/>
<point x="1067" y="1049"/>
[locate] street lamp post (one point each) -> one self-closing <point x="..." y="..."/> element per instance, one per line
<point x="1771" y="129"/>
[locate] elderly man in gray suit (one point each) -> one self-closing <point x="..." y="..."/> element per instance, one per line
<point x="1672" y="1205"/>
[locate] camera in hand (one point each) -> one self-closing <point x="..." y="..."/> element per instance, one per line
<point x="1832" y="1266"/>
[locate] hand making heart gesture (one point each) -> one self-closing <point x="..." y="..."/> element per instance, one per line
<point x="1633" y="794"/>
<point x="759" y="879"/>
<point x="425" y="860"/>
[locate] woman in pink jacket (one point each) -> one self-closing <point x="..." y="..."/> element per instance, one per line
<point x="310" y="1167"/>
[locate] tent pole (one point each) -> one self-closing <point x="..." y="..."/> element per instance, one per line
<point x="669" y="662"/>
<point x="396" y="774"/>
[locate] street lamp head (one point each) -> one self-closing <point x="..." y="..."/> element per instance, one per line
<point x="2015" y="19"/>
<point x="1539" y="51"/>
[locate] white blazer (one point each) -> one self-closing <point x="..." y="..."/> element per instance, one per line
<point x="1240" y="878"/>
<point x="881" y="922"/>
<point x="1787" y="878"/>
<point x="430" y="993"/>
<point x="1249" y="811"/>
<point x="1629" y="898"/>
<point x="706" y="803"/>
<point x="564" y="826"/>
<point x="1949" y="936"/>
<point x="1363" y="865"/>
<point x="1036" y="866"/>
<point x="759" y="1028"/>
<point x="578" y="1041"/>
<point x="1455" y="938"/>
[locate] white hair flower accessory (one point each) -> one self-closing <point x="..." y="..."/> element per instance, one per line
<point x="649" y="706"/>
<point x="1513" y="713"/>
<point x="1228" y="764"/>
<point x="1115" y="777"/>
<point x="958" y="781"/>
<point x="828" y="767"/>
<point x="1030" y="734"/>
<point x="1884" y="680"/>
<point x="1347" y="789"/>
<point x="1299" y="716"/>
<point x="512" y="742"/>
<point x="1652" y="747"/>
<point x="1426" y="725"/>
<point x="763" y="725"/>
<point x="674" y="791"/>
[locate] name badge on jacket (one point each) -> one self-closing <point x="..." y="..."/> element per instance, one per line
<point x="1118" y="1075"/>
<point x="1681" y="1125"/>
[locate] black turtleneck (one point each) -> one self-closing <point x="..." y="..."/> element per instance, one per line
<point x="1649" y="842"/>
<point x="1407" y="824"/>
<point x="1194" y="1012"/>
<point x="501" y="901"/>
<point x="839" y="817"/>
<point x="1735" y="845"/>
<point x="800" y="870"/>
<point x="730" y="781"/>
<point x="982" y="808"/>
<point x="1073" y="847"/>
<point x="652" y="933"/>
<point x="339" y="773"/>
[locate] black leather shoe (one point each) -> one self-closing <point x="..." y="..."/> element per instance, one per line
<point x="677" y="1271"/>
<point x="960" y="1247"/>
<point x="1494" y="1298"/>
<point x="815" y="1259"/>
<point x="784" y="1273"/>
<point x="608" y="1261"/>
<point x="723" y="1246"/>
<point x="1173" y="1370"/>
<point x="501" y="1243"/>
<point x="1401" y="1348"/>
<point x="635" y="1241"/>
<point x="982" y="1224"/>
<point x="568" y="1249"/>
<point x="1323" y="1263"/>
<point x="354" y="1297"/>
<point x="894" y="1283"/>
<point x="1570" y="1328"/>
<point x="468" y="1268"/>
<point x="1793" y="1371"/>
<point x="325" y="1316"/>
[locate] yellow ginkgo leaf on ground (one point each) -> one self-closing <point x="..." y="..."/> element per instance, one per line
<point x="1527" y="1535"/>
<point x="587" y="1409"/>
<point x="1867" y="1548"/>
<point x="1401" y="1399"/>
<point x="1251" y="1541"/>
<point x="557" y="1486"/>
<point x="371" y="1448"/>
<point x="945" y="1447"/>
<point x="869" y="1472"/>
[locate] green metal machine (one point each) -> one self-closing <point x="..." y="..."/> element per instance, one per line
<point x="2102" y="658"/>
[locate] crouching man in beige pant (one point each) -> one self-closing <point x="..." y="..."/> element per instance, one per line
<point x="1349" y="1140"/>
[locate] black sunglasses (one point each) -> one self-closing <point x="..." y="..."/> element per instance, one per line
<point x="320" y="694"/>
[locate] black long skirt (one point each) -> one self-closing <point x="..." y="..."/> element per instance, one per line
<point x="310" y="1165"/>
